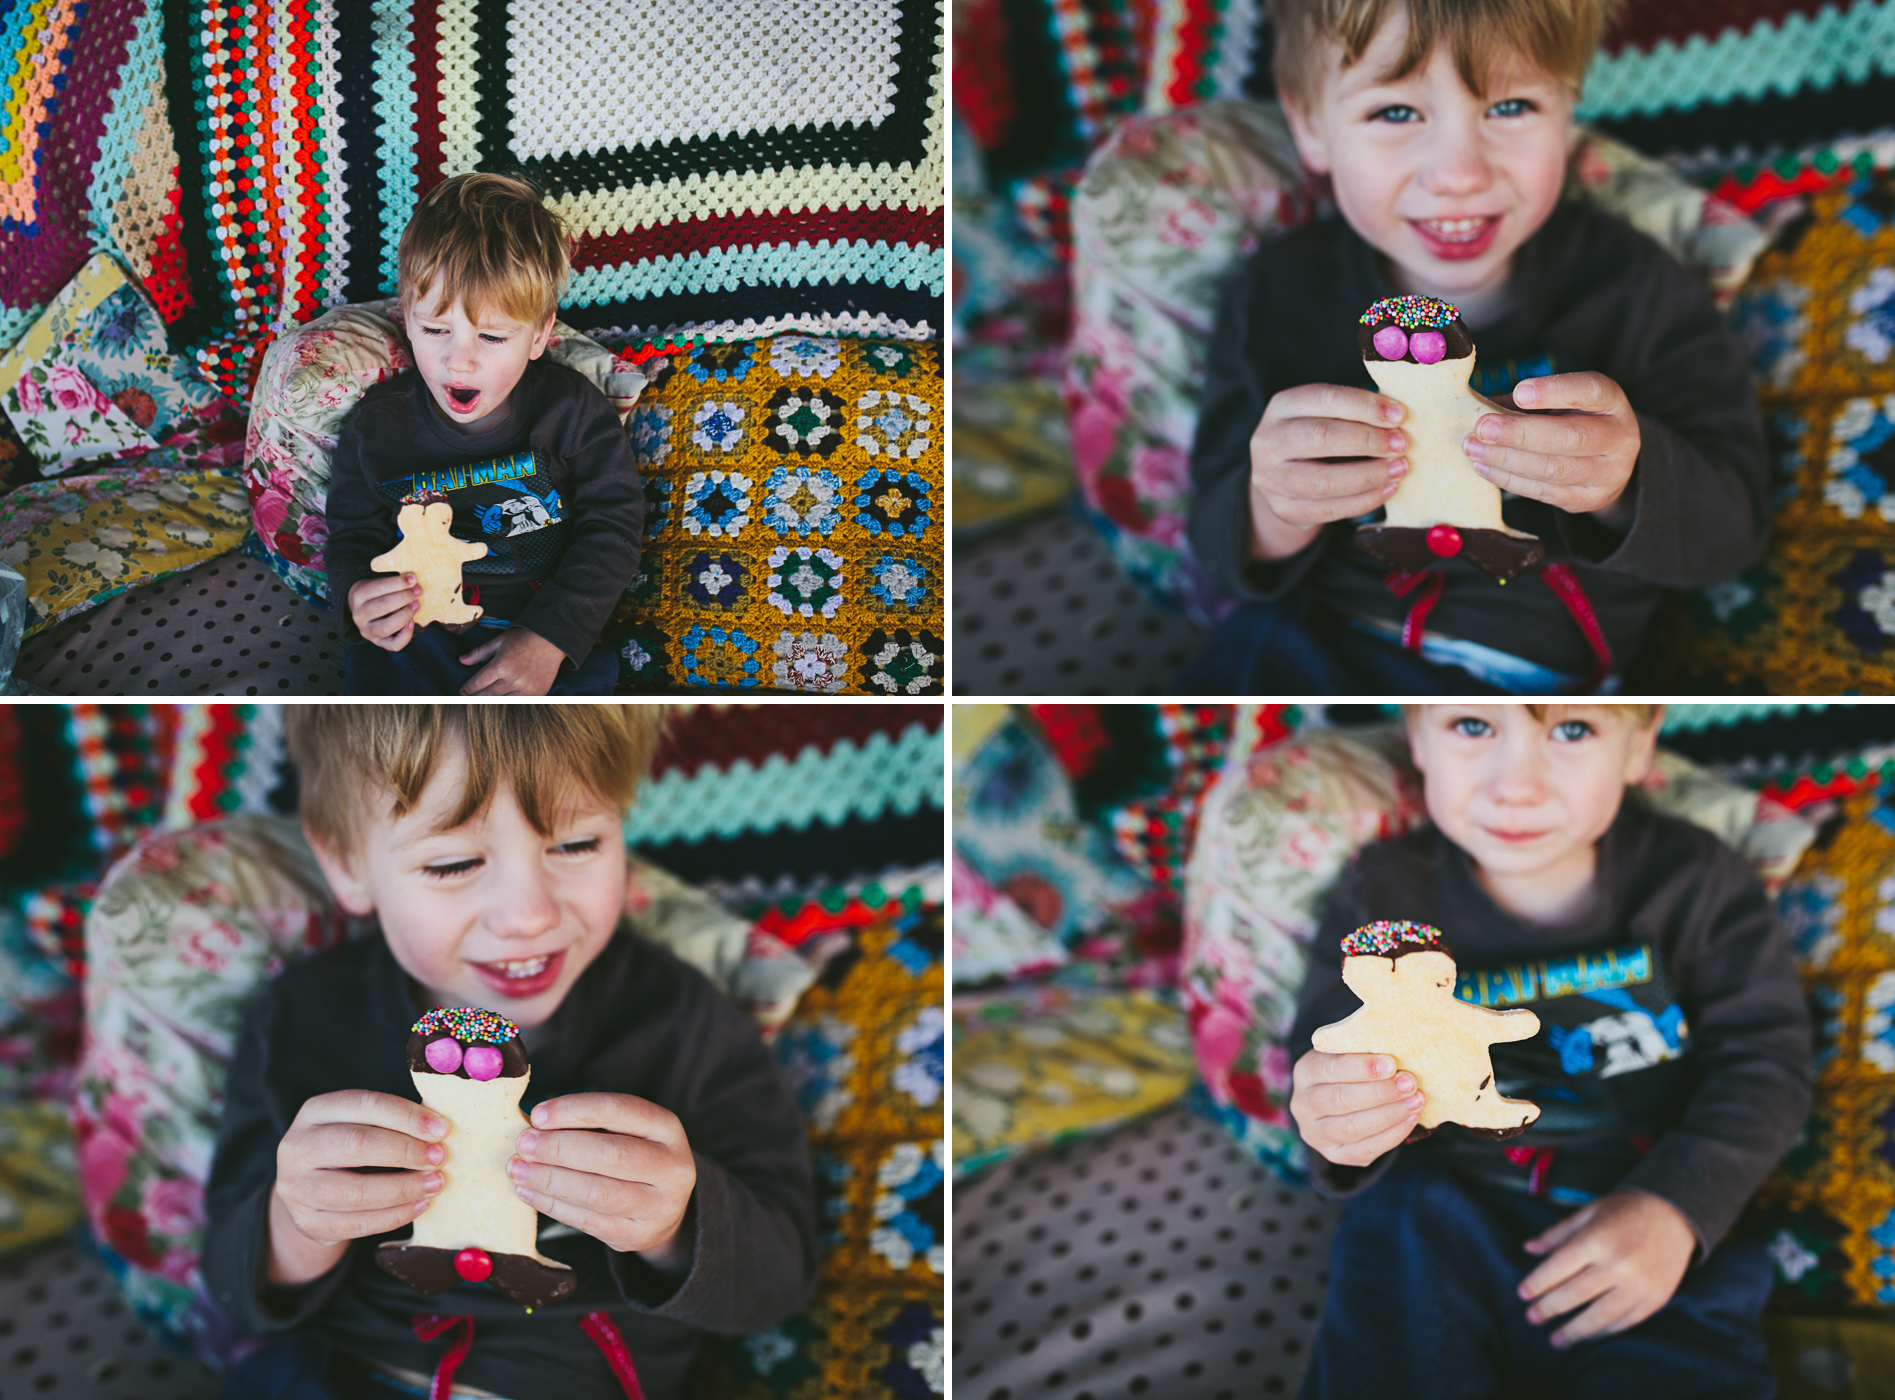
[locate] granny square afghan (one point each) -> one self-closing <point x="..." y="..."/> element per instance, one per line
<point x="731" y="168"/>
<point x="793" y="520"/>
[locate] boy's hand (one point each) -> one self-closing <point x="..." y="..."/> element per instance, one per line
<point x="1352" y="1108"/>
<point x="383" y="607"/>
<point x="1577" y="455"/>
<point x="1624" y="1254"/>
<point x="523" y="663"/>
<point x="319" y="1181"/>
<point x="1293" y="491"/>
<point x="617" y="1167"/>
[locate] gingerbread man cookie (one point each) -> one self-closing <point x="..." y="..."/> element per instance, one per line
<point x="470" y="1068"/>
<point x="431" y="553"/>
<point x="1409" y="1012"/>
<point x="1417" y="350"/>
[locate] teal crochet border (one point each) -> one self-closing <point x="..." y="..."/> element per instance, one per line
<point x="850" y="780"/>
<point x="135" y="77"/>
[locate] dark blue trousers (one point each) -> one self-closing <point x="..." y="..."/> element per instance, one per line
<point x="431" y="665"/>
<point x="1291" y="648"/>
<point x="305" y="1367"/>
<point x="1422" y="1304"/>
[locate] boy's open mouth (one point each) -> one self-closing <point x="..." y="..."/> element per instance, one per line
<point x="462" y="398"/>
<point x="1456" y="240"/>
<point x="522" y="977"/>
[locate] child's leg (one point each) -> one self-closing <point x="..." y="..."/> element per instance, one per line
<point x="1420" y="1272"/>
<point x="1289" y="648"/>
<point x="429" y="665"/>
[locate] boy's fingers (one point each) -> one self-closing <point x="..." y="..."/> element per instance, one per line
<point x="1583" y="389"/>
<point x="1560" y="1231"/>
<point x="336" y="1226"/>
<point x="366" y="1106"/>
<point x="1575" y="1292"/>
<point x="617" y="1113"/>
<point x="481" y="652"/>
<point x="1355" y="1067"/>
<point x="1336" y="401"/>
<point x="1305" y="438"/>
<point x="622" y="1156"/>
<point x="347" y="1192"/>
<point x="346" y="1145"/>
<point x="602" y="1195"/>
<point x="1559" y="1266"/>
<point x="1370" y="1148"/>
<point x="1369" y="1123"/>
<point x="1331" y="481"/>
<point x="1606" y="1316"/>
<point x="1556" y="434"/>
<point x="1338" y="1100"/>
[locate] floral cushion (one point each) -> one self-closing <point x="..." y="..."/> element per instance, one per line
<point x="1273" y="835"/>
<point x="308" y="381"/>
<point x="1034" y="1066"/>
<point x="992" y="936"/>
<point x="183" y="929"/>
<point x="794" y="520"/>
<point x="84" y="538"/>
<point x="865" y="1051"/>
<point x="1167" y="206"/>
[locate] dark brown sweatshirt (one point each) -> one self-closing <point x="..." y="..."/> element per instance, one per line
<point x="638" y="1021"/>
<point x="551" y="490"/>
<point x="1589" y="293"/>
<point x="1673" y="1055"/>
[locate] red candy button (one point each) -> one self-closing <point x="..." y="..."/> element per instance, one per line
<point x="1444" y="540"/>
<point x="473" y="1264"/>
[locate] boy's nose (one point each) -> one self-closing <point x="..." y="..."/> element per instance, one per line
<point x="1457" y="164"/>
<point x="526" y="910"/>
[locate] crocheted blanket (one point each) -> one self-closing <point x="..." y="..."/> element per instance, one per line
<point x="732" y="168"/>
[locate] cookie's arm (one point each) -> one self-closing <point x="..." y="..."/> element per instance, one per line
<point x="1498" y="1027"/>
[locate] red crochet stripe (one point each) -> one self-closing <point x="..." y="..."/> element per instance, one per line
<point x="1193" y="42"/>
<point x="315" y="231"/>
<point x="917" y="228"/>
<point x="170" y="289"/>
<point x="210" y="780"/>
<point x="430" y="140"/>
<point x="1643" y="26"/>
<point x="704" y="736"/>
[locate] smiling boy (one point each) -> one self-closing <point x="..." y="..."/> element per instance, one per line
<point x="529" y="453"/>
<point x="482" y="850"/>
<point x="1444" y="128"/>
<point x="1589" y="1255"/>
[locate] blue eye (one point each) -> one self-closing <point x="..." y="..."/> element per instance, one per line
<point x="448" y="871"/>
<point x="1570" y="731"/>
<point x="494" y="339"/>
<point x="1511" y="107"/>
<point x="1472" y="727"/>
<point x="1399" y="114"/>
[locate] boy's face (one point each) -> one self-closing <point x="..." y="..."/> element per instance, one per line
<point x="1445" y="185"/>
<point x="471" y="369"/>
<point x="490" y="913"/>
<point x="1526" y="798"/>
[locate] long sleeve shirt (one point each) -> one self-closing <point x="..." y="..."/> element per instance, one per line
<point x="551" y="490"/>
<point x="1587" y="293"/>
<point x="1673" y="1055"/>
<point x="637" y="1021"/>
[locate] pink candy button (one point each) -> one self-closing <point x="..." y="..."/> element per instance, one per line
<point x="483" y="1062"/>
<point x="444" y="1055"/>
<point x="1428" y="347"/>
<point x="1391" y="342"/>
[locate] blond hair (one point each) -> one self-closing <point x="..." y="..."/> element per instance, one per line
<point x="546" y="755"/>
<point x="484" y="240"/>
<point x="1556" y="36"/>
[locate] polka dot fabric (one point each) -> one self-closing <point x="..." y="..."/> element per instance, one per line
<point x="793" y="520"/>
<point x="730" y="169"/>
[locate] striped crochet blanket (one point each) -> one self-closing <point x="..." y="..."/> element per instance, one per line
<point x="732" y="168"/>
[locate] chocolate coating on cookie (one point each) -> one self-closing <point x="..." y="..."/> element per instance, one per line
<point x="1391" y="938"/>
<point x="1500" y="555"/>
<point x="1413" y="328"/>
<point x="468" y="1027"/>
<point x="515" y="1277"/>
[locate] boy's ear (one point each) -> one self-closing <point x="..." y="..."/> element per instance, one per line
<point x="540" y="341"/>
<point x="339" y="870"/>
<point x="1644" y="750"/>
<point x="1310" y="144"/>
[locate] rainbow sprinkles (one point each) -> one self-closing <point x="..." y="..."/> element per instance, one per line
<point x="1390" y="938"/>
<point x="468" y="1023"/>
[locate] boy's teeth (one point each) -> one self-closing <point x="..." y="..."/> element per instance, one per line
<point x="526" y="968"/>
<point x="1452" y="228"/>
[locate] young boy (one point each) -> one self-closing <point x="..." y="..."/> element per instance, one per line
<point x="485" y="846"/>
<point x="1444" y="127"/>
<point x="529" y="453"/>
<point x="1587" y="1256"/>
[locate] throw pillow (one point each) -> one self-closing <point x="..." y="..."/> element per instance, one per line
<point x="793" y="520"/>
